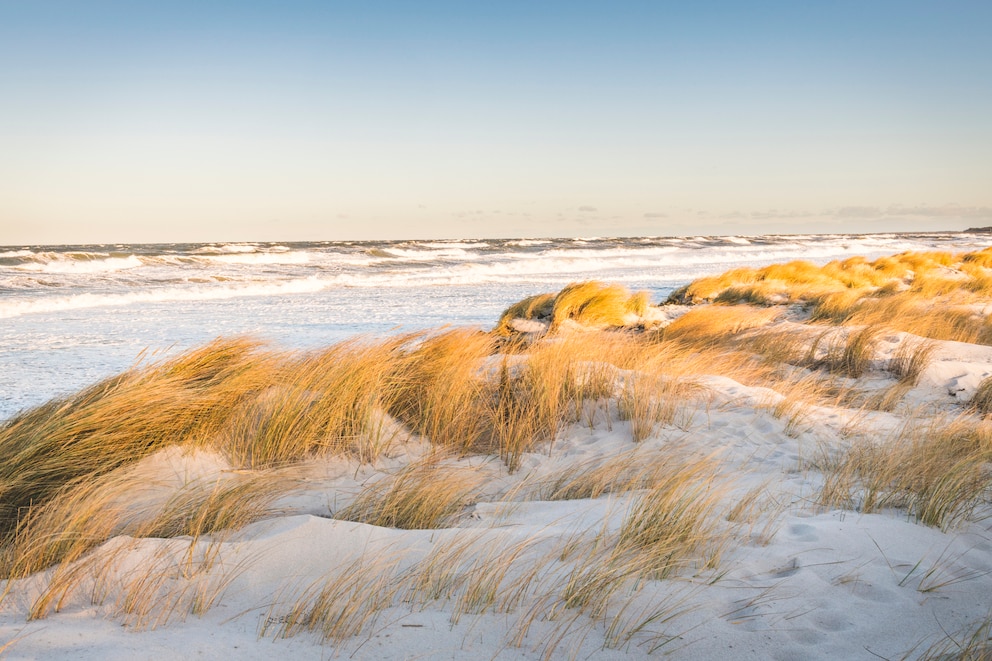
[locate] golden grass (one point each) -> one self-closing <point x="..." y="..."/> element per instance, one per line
<point x="981" y="401"/>
<point x="938" y="471"/>
<point x="911" y="359"/>
<point x="120" y="420"/>
<point x="64" y="466"/>
<point x="345" y="604"/>
<point x="539" y="306"/>
<point x="84" y="515"/>
<point x="715" y="325"/>
<point x="971" y="644"/>
<point x="648" y="401"/>
<point x="591" y="304"/>
<point x="332" y="401"/>
<point x="928" y="294"/>
<point x="440" y="389"/>
<point x="425" y="494"/>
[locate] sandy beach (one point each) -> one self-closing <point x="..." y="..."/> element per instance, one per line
<point x="765" y="473"/>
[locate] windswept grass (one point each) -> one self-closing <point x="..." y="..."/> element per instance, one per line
<point x="119" y="420"/>
<point x="425" y="494"/>
<point x="717" y="325"/>
<point x="66" y="484"/>
<point x="938" y="471"/>
<point x="346" y="604"/>
<point x="590" y="304"/>
<point x="911" y="359"/>
<point x="928" y="294"/>
<point x="972" y="644"/>
<point x="981" y="401"/>
<point x="85" y="514"/>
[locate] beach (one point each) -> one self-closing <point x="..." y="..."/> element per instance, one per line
<point x="751" y="459"/>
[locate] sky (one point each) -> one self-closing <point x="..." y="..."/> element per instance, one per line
<point x="284" y="121"/>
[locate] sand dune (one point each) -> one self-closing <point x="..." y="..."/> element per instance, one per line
<point x="741" y="482"/>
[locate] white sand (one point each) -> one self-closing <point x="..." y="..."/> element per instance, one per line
<point x="800" y="583"/>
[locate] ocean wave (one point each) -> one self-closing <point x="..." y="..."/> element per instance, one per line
<point x="427" y="255"/>
<point x="527" y="243"/>
<point x="453" y="244"/>
<point x="80" y="279"/>
<point x="45" y="304"/>
<point x="295" y="257"/>
<point x="16" y="253"/>
<point x="77" y="263"/>
<point x="226" y="248"/>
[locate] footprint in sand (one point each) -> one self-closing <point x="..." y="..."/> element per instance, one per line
<point x="831" y="621"/>
<point x="802" y="532"/>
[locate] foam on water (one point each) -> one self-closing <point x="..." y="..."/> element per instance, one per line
<point x="73" y="314"/>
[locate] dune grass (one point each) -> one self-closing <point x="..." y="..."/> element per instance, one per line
<point x="937" y="470"/>
<point x="928" y="294"/>
<point x="972" y="644"/>
<point x="67" y="484"/>
<point x="424" y="494"/>
<point x="589" y="304"/>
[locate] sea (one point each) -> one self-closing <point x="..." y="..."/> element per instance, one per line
<point x="73" y="314"/>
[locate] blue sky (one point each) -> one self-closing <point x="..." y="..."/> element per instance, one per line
<point x="130" y="121"/>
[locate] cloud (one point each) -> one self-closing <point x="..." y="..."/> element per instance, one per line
<point x="858" y="212"/>
<point x="654" y="214"/>
<point x="945" y="211"/>
<point x="920" y="211"/>
<point x="587" y="209"/>
<point x="774" y="214"/>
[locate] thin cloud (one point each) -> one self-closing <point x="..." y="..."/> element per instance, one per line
<point x="920" y="211"/>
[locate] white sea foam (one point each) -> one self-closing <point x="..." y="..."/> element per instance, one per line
<point x="226" y="248"/>
<point x="261" y="258"/>
<point x="16" y="308"/>
<point x="524" y="243"/>
<point x="430" y="255"/>
<point x="78" y="263"/>
<point x="453" y="244"/>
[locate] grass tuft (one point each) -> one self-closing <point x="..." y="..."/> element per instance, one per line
<point x="422" y="495"/>
<point x="937" y="471"/>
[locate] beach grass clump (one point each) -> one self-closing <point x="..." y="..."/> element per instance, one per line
<point x="673" y="523"/>
<point x="716" y="326"/>
<point x="345" y="604"/>
<point x="911" y="360"/>
<point x="539" y="306"/>
<point x="938" y="471"/>
<point x="649" y="400"/>
<point x="183" y="401"/>
<point x="949" y="318"/>
<point x="670" y="528"/>
<point x="854" y="356"/>
<point x="440" y="389"/>
<point x="972" y="644"/>
<point x="330" y="401"/>
<point x="931" y="294"/>
<point x="628" y="471"/>
<point x="88" y="512"/>
<point x="588" y="304"/>
<point x="423" y="495"/>
<point x="981" y="401"/>
<point x="980" y="258"/>
<point x="597" y="305"/>
<point x="448" y="391"/>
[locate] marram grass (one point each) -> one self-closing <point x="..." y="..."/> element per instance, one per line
<point x="65" y="466"/>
